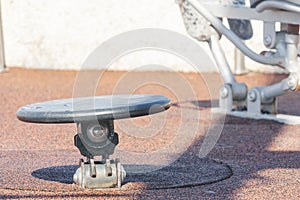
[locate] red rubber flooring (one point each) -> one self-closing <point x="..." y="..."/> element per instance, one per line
<point x="251" y="159"/>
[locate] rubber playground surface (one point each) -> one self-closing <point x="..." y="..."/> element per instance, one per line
<point x="252" y="159"/>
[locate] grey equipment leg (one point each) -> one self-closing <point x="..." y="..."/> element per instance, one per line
<point x="233" y="95"/>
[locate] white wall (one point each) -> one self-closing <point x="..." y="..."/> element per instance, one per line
<point x="60" y="34"/>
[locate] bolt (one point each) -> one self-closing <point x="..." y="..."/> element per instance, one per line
<point x="98" y="131"/>
<point x="268" y="40"/>
<point x="292" y="82"/>
<point x="224" y="92"/>
<point x="252" y="96"/>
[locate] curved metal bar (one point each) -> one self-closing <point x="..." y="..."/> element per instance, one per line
<point x="268" y="5"/>
<point x="219" y="26"/>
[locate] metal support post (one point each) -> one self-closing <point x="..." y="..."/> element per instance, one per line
<point x="220" y="59"/>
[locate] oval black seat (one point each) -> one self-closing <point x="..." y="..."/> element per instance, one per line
<point x="93" y="108"/>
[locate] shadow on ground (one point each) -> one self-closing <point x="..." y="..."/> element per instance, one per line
<point x="177" y="175"/>
<point x="61" y="174"/>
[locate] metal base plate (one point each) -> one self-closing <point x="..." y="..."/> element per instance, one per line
<point x="281" y="118"/>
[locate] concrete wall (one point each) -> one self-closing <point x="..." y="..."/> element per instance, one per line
<point x="60" y="34"/>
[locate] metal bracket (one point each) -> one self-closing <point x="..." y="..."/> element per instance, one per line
<point x="233" y="97"/>
<point x="98" y="139"/>
<point x="226" y="98"/>
<point x="254" y="102"/>
<point x="97" y="175"/>
<point x="269" y="35"/>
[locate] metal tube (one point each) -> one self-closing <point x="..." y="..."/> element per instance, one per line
<point x="243" y="12"/>
<point x="268" y="93"/>
<point x="220" y="59"/>
<point x="219" y="26"/>
<point x="292" y="52"/>
<point x="267" y="5"/>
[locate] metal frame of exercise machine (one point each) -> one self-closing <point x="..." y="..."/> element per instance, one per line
<point x="203" y="20"/>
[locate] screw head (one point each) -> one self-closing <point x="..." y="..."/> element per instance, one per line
<point x="268" y="40"/>
<point x="252" y="96"/>
<point x="97" y="133"/>
<point x="224" y="92"/>
<point x="292" y="82"/>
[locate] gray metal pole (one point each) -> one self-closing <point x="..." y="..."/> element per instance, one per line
<point x="221" y="60"/>
<point x="2" y="55"/>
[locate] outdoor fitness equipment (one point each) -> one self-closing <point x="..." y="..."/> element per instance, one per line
<point x="95" y="136"/>
<point x="203" y="20"/>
